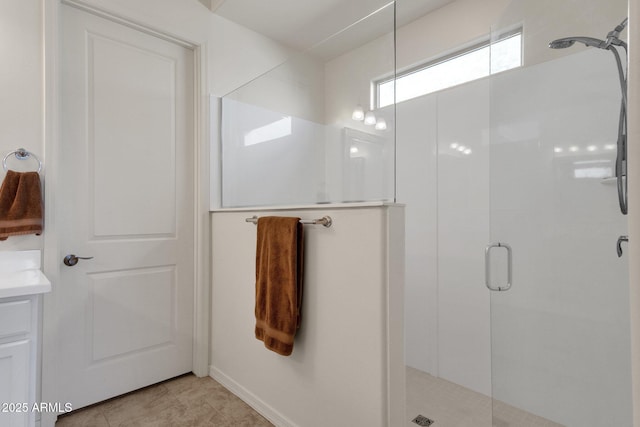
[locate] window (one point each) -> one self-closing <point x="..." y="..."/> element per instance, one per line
<point x="461" y="67"/>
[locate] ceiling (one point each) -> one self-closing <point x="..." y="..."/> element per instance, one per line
<point x="301" y="24"/>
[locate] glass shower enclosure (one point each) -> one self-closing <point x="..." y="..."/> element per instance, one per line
<point x="305" y="132"/>
<point x="560" y="325"/>
<point x="515" y="293"/>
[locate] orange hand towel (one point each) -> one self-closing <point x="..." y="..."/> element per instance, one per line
<point x="20" y="204"/>
<point x="278" y="282"/>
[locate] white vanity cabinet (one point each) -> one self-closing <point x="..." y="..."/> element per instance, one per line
<point x="18" y="345"/>
<point x="21" y="286"/>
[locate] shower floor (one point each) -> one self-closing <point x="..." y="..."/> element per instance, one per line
<point x="451" y="405"/>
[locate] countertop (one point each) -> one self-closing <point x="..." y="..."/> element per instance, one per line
<point x="20" y="274"/>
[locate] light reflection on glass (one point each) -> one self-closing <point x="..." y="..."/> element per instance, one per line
<point x="274" y="130"/>
<point x="597" y="168"/>
<point x="591" y="148"/>
<point x="457" y="149"/>
<point x="595" y="172"/>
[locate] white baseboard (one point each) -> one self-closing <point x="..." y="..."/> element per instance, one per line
<point x="251" y="399"/>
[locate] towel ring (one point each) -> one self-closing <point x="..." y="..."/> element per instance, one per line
<point x="21" y="154"/>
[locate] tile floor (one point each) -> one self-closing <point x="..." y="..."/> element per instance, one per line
<point x="194" y="402"/>
<point x="451" y="405"/>
<point x="182" y="401"/>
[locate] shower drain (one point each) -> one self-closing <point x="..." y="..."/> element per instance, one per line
<point x="421" y="420"/>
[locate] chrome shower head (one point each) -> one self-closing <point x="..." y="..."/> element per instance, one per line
<point x="570" y="41"/>
<point x="562" y="43"/>
<point x="612" y="39"/>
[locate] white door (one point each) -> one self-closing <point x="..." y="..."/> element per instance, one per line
<point x="126" y="197"/>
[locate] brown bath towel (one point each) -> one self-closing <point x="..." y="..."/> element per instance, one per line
<point x="278" y="282"/>
<point x="20" y="204"/>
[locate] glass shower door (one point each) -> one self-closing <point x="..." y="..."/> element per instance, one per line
<point x="560" y="339"/>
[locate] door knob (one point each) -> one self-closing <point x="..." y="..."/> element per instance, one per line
<point x="72" y="260"/>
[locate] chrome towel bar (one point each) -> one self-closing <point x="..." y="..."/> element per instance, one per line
<point x="325" y="220"/>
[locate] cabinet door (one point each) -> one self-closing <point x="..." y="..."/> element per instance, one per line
<point x="14" y="384"/>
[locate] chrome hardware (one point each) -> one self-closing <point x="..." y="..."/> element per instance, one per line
<point x="72" y="260"/>
<point x="487" y="267"/>
<point x="21" y="154"/>
<point x="325" y="220"/>
<point x="612" y="43"/>
<point x="619" y="245"/>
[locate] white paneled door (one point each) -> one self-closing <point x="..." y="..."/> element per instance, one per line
<point x="126" y="192"/>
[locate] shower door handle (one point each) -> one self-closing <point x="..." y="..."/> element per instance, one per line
<point x="487" y="267"/>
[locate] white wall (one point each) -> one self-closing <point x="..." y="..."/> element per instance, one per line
<point x="634" y="204"/>
<point x="235" y="54"/>
<point x="445" y="30"/>
<point x="295" y="88"/>
<point x="21" y="85"/>
<point x="349" y="343"/>
<point x="546" y="20"/>
<point x="464" y="22"/>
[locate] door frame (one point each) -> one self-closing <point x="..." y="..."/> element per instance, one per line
<point x="201" y="150"/>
